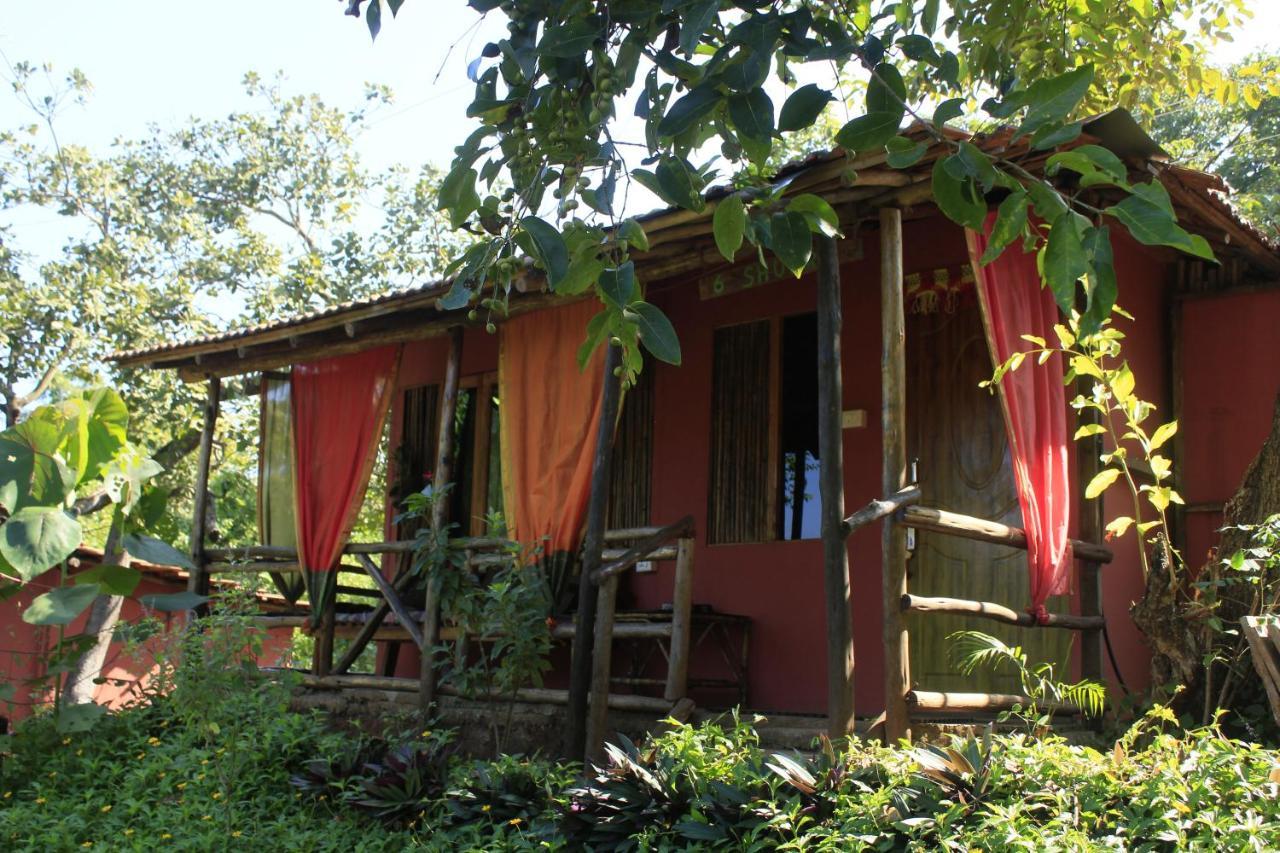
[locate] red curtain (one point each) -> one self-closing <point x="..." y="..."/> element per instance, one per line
<point x="339" y="406"/>
<point x="1015" y="304"/>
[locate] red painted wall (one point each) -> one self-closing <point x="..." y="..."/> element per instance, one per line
<point x="779" y="584"/>
<point x="1231" y="375"/>
<point x="23" y="647"/>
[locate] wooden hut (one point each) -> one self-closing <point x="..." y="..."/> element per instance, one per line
<point x="734" y="474"/>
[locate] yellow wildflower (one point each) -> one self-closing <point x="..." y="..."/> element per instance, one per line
<point x="87" y="844"/>
<point x="154" y="741"/>
<point x="39" y="801"/>
<point x="79" y="752"/>
<point x="53" y="773"/>
<point x="203" y="762"/>
<point x="141" y="755"/>
<point x="105" y="808"/>
<point x="485" y="808"/>
<point x="427" y="733"/>
<point x="128" y="832"/>
<point x="8" y="794"/>
<point x="165" y="837"/>
<point x="182" y="786"/>
<point x="66" y="741"/>
<point x="217" y="795"/>
<point x="235" y="833"/>
<point x="515" y="821"/>
<point x="199" y="776"/>
<point x="206" y="817"/>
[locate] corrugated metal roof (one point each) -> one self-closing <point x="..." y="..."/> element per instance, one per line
<point x="1116" y="130"/>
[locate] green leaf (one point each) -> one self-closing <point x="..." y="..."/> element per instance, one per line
<point x="1101" y="287"/>
<point x="903" y="152"/>
<point x="687" y="111"/>
<point x="373" y="18"/>
<point x="1149" y="216"/>
<point x="1090" y="429"/>
<point x="97" y="429"/>
<point x="958" y="198"/>
<point x="151" y="550"/>
<point x="597" y="328"/>
<point x="1118" y="527"/>
<point x="949" y="109"/>
<point x="1101" y="482"/>
<point x="695" y="21"/>
<point x="886" y="93"/>
<point x="568" y="40"/>
<point x="656" y="332"/>
<point x="1065" y="262"/>
<point x="174" y="602"/>
<point x="1049" y="136"/>
<point x="59" y="606"/>
<point x="819" y="215"/>
<point x="549" y="249"/>
<point x="1088" y="161"/>
<point x="618" y="286"/>
<point x="752" y="116"/>
<point x="802" y="107"/>
<point x="31" y="469"/>
<point x="792" y="240"/>
<point x="1011" y="219"/>
<point x="110" y="579"/>
<point x="1045" y="199"/>
<point x="728" y="225"/>
<point x="975" y="164"/>
<point x="78" y="718"/>
<point x="1053" y="99"/>
<point x="679" y="183"/>
<point x="37" y="538"/>
<point x="457" y="195"/>
<point x="869" y="131"/>
<point x="1163" y="433"/>
<point x="633" y="233"/>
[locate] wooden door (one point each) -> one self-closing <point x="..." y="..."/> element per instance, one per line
<point x="956" y="434"/>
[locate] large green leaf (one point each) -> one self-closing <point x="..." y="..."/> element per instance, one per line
<point x="1149" y="216"/>
<point x="1053" y="99"/>
<point x="752" y="116"/>
<point x="549" y="249"/>
<point x="958" y="197"/>
<point x="37" y="538"/>
<point x="110" y="579"/>
<point x="157" y="551"/>
<point x="656" y="332"/>
<point x="869" y="131"/>
<point x="792" y="240"/>
<point x="802" y="107"/>
<point x="570" y="39"/>
<point x="1065" y="261"/>
<point x="903" y="152"/>
<point x="32" y="471"/>
<point x="687" y="111"/>
<point x="820" y="216"/>
<point x="1101" y="288"/>
<point x="728" y="225"/>
<point x="618" y="286"/>
<point x="97" y="425"/>
<point x="59" y="606"/>
<point x="886" y="92"/>
<point x="457" y="194"/>
<point x="1011" y="218"/>
<point x="679" y="183"/>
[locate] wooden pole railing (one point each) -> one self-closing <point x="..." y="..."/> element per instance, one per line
<point x="879" y="509"/>
<point x="981" y="530"/>
<point x="997" y="613"/>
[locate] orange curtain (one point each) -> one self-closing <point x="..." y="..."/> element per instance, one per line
<point x="339" y="407"/>
<point x="550" y="411"/>
<point x="1014" y="303"/>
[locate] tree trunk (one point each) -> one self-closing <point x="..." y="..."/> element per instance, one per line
<point x="103" y="616"/>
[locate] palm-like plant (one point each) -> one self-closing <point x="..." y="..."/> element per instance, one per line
<point x="974" y="650"/>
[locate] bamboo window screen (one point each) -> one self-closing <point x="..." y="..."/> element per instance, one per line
<point x="742" y="494"/>
<point x="631" y="467"/>
<point x="415" y="458"/>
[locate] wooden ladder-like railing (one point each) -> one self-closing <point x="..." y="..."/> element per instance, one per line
<point x="905" y="511"/>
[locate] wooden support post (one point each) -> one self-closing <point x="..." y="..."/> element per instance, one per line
<point x="439" y="517"/>
<point x="322" y="660"/>
<point x="835" y="556"/>
<point x="893" y="415"/>
<point x="198" y="581"/>
<point x="681" y="623"/>
<point x="580" y="669"/>
<point x="1090" y="529"/>
<point x="393" y="600"/>
<point x="601" y="666"/>
<point x="370" y="627"/>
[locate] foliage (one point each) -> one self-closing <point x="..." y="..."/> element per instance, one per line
<point x="500" y="612"/>
<point x="1038" y="682"/>
<point x="1239" y="139"/>
<point x="547" y="95"/>
<point x="78" y="445"/>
